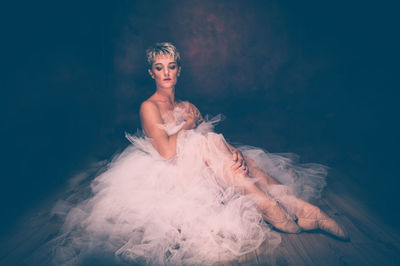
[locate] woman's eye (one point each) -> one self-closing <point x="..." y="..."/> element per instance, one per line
<point x="158" y="68"/>
<point x="172" y="67"/>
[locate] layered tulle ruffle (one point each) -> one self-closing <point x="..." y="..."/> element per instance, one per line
<point x="147" y="209"/>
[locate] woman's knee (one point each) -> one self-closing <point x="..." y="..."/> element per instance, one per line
<point x="217" y="143"/>
<point x="213" y="138"/>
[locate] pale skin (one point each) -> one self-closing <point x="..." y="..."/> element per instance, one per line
<point x="165" y="71"/>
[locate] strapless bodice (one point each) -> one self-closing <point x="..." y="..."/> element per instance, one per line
<point x="173" y="120"/>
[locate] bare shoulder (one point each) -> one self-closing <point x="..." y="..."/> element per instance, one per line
<point x="149" y="107"/>
<point x="148" y="104"/>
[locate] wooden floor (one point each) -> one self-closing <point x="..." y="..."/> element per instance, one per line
<point x="372" y="242"/>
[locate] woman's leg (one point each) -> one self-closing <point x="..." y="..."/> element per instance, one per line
<point x="309" y="217"/>
<point x="219" y="157"/>
<point x="263" y="178"/>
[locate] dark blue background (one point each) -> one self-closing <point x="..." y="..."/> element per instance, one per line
<point x="318" y="79"/>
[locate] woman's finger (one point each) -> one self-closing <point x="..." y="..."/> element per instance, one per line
<point x="240" y="160"/>
<point x="242" y="170"/>
<point x="240" y="156"/>
<point x="238" y="166"/>
<point x="234" y="156"/>
<point x="235" y="166"/>
<point x="245" y="169"/>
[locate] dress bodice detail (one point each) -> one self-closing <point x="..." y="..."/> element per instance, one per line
<point x="173" y="120"/>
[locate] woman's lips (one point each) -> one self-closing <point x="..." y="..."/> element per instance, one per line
<point x="167" y="79"/>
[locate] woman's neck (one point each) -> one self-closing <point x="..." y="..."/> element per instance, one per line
<point x="166" y="95"/>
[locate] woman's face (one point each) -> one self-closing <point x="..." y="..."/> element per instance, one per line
<point x="165" y="71"/>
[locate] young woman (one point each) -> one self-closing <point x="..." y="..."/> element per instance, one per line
<point x="182" y="195"/>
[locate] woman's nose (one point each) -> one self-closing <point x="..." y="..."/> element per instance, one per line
<point x="166" y="71"/>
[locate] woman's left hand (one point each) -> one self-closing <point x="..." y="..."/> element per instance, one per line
<point x="197" y="115"/>
<point x="239" y="163"/>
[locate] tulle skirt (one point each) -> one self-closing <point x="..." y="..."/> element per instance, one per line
<point x="148" y="210"/>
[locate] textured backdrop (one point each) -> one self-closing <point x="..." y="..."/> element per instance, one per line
<point x="318" y="79"/>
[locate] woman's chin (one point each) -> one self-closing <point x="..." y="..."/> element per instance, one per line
<point x="166" y="85"/>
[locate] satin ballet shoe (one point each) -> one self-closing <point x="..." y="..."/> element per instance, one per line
<point x="279" y="219"/>
<point x="311" y="218"/>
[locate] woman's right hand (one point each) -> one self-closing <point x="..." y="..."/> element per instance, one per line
<point x="190" y="118"/>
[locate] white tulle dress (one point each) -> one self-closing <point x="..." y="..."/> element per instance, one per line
<point x="148" y="210"/>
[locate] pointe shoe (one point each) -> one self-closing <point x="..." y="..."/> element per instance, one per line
<point x="279" y="219"/>
<point x="311" y="217"/>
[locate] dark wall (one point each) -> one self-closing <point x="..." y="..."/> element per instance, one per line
<point x="318" y="79"/>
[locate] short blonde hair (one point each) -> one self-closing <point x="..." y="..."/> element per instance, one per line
<point x="162" y="48"/>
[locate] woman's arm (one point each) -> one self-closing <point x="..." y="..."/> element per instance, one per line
<point x="151" y="119"/>
<point x="239" y="164"/>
